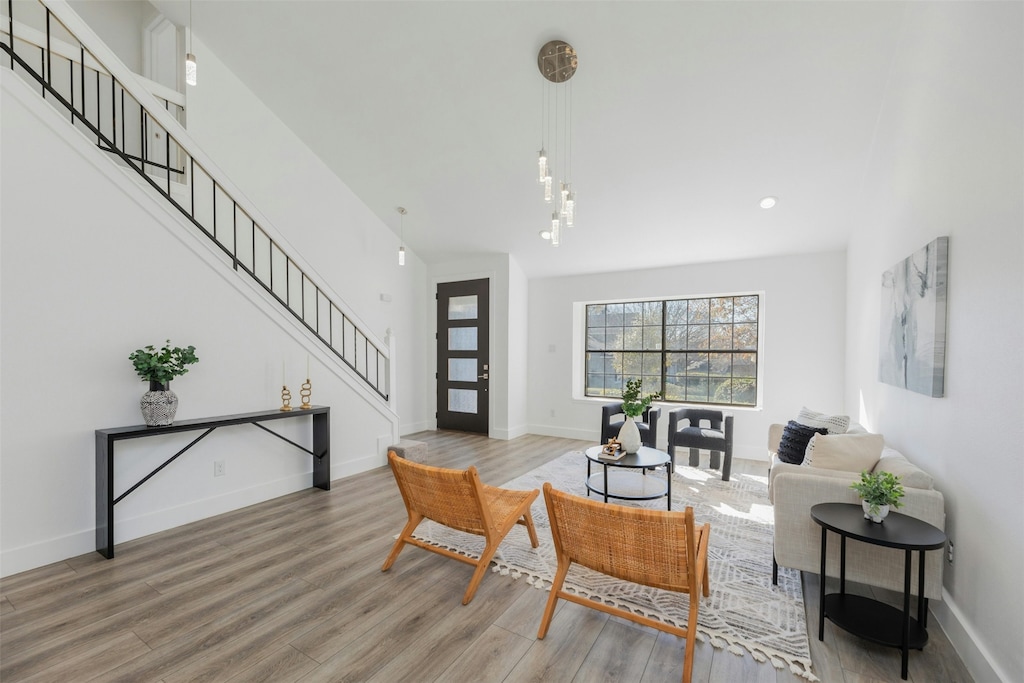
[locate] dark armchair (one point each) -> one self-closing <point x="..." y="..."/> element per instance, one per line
<point x="696" y="428"/>
<point x="612" y="418"/>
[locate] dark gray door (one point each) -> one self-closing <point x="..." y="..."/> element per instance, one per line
<point x="462" y="364"/>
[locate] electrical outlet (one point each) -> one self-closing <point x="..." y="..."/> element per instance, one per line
<point x="218" y="468"/>
<point x="949" y="551"/>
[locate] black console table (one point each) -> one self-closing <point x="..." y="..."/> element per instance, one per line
<point x="863" y="616"/>
<point x="106" y="438"/>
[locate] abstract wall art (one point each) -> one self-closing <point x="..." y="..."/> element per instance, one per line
<point x="912" y="348"/>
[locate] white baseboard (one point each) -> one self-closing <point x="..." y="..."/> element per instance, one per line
<point x="422" y="426"/>
<point x="365" y="464"/>
<point x="974" y="654"/>
<point x="565" y="432"/>
<point x="61" y="548"/>
<point x="17" y="560"/>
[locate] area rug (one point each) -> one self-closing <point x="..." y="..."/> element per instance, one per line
<point x="744" y="612"/>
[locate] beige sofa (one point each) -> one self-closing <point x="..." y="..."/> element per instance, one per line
<point x="794" y="489"/>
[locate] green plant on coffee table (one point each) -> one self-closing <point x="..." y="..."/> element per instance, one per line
<point x="633" y="405"/>
<point x="164" y="365"/>
<point x="878" y="489"/>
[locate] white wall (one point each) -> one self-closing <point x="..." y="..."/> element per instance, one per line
<point x="518" y="349"/>
<point x="802" y="329"/>
<point x="338" y="235"/>
<point x="948" y="161"/>
<point x="93" y="268"/>
<point x="119" y="24"/>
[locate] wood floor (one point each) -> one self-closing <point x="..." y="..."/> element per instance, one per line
<point x="291" y="590"/>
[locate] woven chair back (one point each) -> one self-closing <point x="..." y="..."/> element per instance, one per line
<point x="449" y="497"/>
<point x="651" y="547"/>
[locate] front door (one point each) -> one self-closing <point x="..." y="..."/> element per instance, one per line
<point x="462" y="364"/>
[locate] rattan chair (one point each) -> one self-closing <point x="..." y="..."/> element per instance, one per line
<point x="458" y="499"/>
<point x="651" y="547"/>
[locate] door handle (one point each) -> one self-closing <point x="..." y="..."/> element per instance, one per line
<point x="483" y="376"/>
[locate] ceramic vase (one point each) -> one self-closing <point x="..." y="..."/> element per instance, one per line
<point x="629" y="436"/>
<point x="159" y="405"/>
<point x="883" y="510"/>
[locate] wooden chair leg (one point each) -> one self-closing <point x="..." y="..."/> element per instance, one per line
<point x="481" y="569"/>
<point x="549" y="610"/>
<point x="530" y="529"/>
<point x="410" y="526"/>
<point x="691" y="639"/>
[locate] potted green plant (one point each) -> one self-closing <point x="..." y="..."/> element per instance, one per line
<point x="159" y="367"/>
<point x="879" y="492"/>
<point x="633" y="405"/>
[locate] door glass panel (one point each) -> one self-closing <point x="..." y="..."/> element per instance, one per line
<point x="462" y="370"/>
<point x="462" y="400"/>
<point x="462" y="339"/>
<point x="462" y="308"/>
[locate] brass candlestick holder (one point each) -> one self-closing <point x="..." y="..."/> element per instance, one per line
<point x="305" y="393"/>
<point x="286" y="399"/>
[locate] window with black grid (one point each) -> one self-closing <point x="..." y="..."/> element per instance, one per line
<point x="693" y="350"/>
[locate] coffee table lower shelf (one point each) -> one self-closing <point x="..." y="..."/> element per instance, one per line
<point x="625" y="485"/>
<point x="873" y="620"/>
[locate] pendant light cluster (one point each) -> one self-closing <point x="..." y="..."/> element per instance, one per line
<point x="557" y="63"/>
<point x="190" y="59"/>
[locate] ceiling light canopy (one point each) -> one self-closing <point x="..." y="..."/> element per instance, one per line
<point x="557" y="62"/>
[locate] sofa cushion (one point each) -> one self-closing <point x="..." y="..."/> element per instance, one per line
<point x="910" y="475"/>
<point x="794" y="441"/>
<point x="845" y="452"/>
<point x="836" y="424"/>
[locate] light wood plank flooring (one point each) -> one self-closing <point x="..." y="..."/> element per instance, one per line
<point x="291" y="590"/>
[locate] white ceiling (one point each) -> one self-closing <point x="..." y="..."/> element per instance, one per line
<point x="685" y="115"/>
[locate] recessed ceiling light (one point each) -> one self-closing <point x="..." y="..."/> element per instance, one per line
<point x="768" y="202"/>
<point x="545" y="234"/>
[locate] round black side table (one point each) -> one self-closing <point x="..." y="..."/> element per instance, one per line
<point x="867" y="618"/>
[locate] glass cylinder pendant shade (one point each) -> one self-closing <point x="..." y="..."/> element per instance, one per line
<point x="556" y="229"/>
<point x="401" y="256"/>
<point x="565" y="196"/>
<point x="542" y="164"/>
<point x="190" y="69"/>
<point x="570" y="209"/>
<point x="547" y="189"/>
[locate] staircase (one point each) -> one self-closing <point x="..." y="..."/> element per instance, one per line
<point x="137" y="122"/>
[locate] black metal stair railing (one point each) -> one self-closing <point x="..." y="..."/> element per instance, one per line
<point x="44" y="52"/>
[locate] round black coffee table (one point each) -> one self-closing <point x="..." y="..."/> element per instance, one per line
<point x="628" y="483"/>
<point x="867" y="618"/>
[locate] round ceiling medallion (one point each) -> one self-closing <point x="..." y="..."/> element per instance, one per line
<point x="557" y="61"/>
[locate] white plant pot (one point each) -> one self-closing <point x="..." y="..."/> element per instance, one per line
<point x="629" y="436"/>
<point x="883" y="511"/>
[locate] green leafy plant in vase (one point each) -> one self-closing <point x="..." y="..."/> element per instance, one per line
<point x="159" y="367"/>
<point x="879" y="492"/>
<point x="633" y="405"/>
